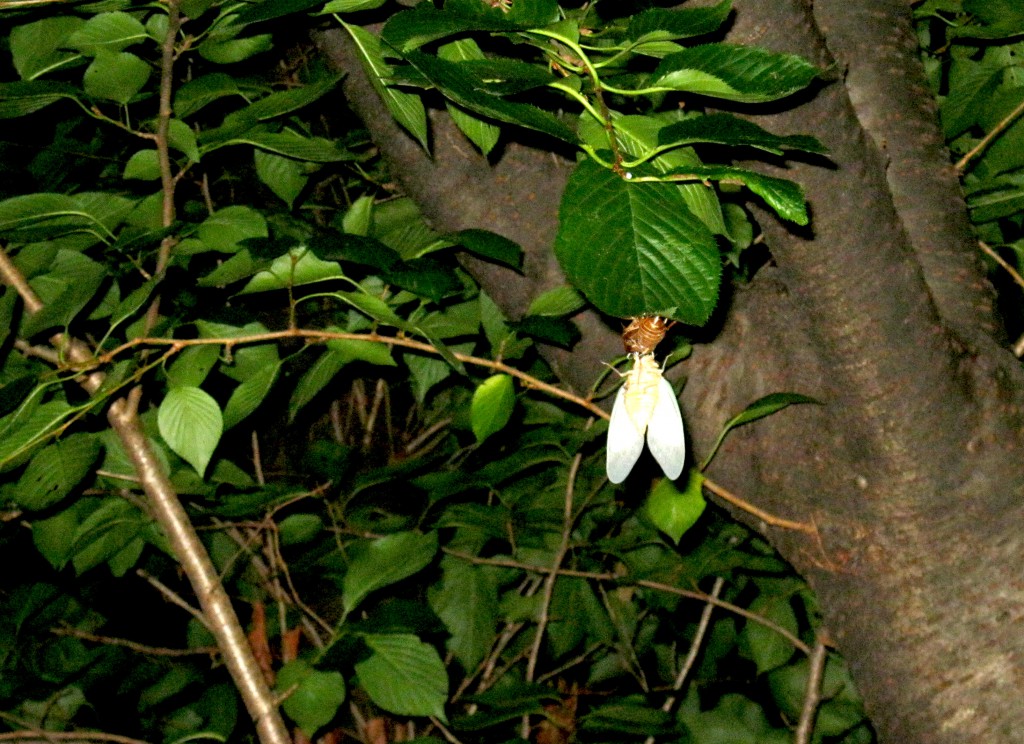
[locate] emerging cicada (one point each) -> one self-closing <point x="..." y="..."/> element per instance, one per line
<point x="645" y="333"/>
<point x="645" y="404"/>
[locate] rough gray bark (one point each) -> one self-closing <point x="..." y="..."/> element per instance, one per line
<point x="911" y="469"/>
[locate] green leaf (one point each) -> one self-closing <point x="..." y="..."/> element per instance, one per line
<point x="312" y="697"/>
<point x="191" y="423"/>
<point x="117" y="76"/>
<point x="766" y="406"/>
<point x="785" y="197"/>
<point x="635" y="248"/>
<point x="673" y="511"/>
<point x="198" y="93"/>
<point x="192" y="366"/>
<point x="733" y="72"/>
<point x="456" y="81"/>
<point x="105" y="533"/>
<point x="268" y="10"/>
<point x="491" y="246"/>
<point x="767" y="648"/>
<point x="27" y="426"/>
<point x="726" y="129"/>
<point x="560" y="332"/>
<point x="481" y="133"/>
<point x="289" y="144"/>
<point x="284" y="176"/>
<point x="493" y="403"/>
<point x="351" y="350"/>
<point x="143" y="166"/>
<point x="110" y="32"/>
<point x="293" y="99"/>
<point x="466" y="600"/>
<point x="351" y="6"/>
<point x="299" y="528"/>
<point x="230" y="51"/>
<point x="661" y="24"/>
<point x="40" y="47"/>
<point x="79" y="279"/>
<point x="23" y="98"/>
<point x="180" y="137"/>
<point x="563" y="300"/>
<point x="407" y="108"/>
<point x="404" y="676"/>
<point x="423" y="24"/>
<point x="315" y="379"/>
<point x="227" y="228"/>
<point x="247" y="397"/>
<point x="55" y="471"/>
<point x="297" y="267"/>
<point x="385" y="561"/>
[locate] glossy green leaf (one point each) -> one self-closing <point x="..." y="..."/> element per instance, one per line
<point x="766" y="406"/>
<point x="407" y="108"/>
<point x="733" y="72"/>
<point x="290" y="100"/>
<point x="117" y="76"/>
<point x="782" y="195"/>
<point x="297" y="267"/>
<point x="726" y="129"/>
<point x="268" y="10"/>
<point x="635" y="248"/>
<point x="191" y="423"/>
<point x="40" y="48"/>
<point x="248" y="396"/>
<point x="284" y="176"/>
<point x="230" y="51"/>
<point x="351" y="6"/>
<point x="493" y="403"/>
<point x="180" y="137"/>
<point x="110" y="32"/>
<point x="563" y="300"/>
<point x="662" y="24"/>
<point x="458" y="84"/>
<point x="143" y="166"/>
<point x="404" y="675"/>
<point x="481" y="133"/>
<point x="55" y="471"/>
<point x="673" y="511"/>
<point x="312" y="697"/>
<point x="383" y="562"/>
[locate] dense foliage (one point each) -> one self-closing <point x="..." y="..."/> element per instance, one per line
<point x="411" y="519"/>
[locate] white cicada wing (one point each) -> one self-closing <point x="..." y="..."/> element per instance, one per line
<point x="625" y="441"/>
<point x="665" y="431"/>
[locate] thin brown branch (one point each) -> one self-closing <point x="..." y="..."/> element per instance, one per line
<point x="172" y="596"/>
<point x="66" y="737"/>
<point x="812" y="698"/>
<point x="13" y="278"/>
<point x="1014" y="274"/>
<point x="998" y="129"/>
<point x="140" y="648"/>
<point x="656" y="585"/>
<point x="529" y="381"/>
<point x="809" y="527"/>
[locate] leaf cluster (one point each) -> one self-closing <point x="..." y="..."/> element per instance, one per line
<point x="414" y="537"/>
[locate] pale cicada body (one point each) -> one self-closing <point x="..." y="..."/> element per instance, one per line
<point x="645" y="405"/>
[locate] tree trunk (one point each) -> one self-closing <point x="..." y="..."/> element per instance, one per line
<point x="911" y="468"/>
